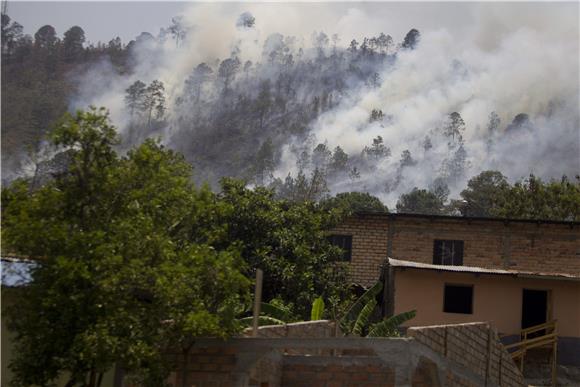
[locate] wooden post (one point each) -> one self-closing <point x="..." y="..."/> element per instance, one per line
<point x="257" y="301"/>
<point x="555" y="362"/>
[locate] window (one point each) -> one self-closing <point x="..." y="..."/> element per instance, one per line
<point x="344" y="242"/>
<point x="458" y="299"/>
<point x="448" y="252"/>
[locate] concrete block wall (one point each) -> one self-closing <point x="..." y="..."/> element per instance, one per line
<point x="346" y="371"/>
<point x="304" y="329"/>
<point x="458" y="355"/>
<point x="498" y="244"/>
<point x="213" y="366"/>
<point x="474" y="346"/>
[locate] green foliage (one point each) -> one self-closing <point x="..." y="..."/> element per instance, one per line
<point x="276" y="310"/>
<point x="284" y="239"/>
<point x="420" y="201"/>
<point x="350" y="317"/>
<point x="534" y="199"/>
<point x="389" y="326"/>
<point x="351" y="202"/>
<point x="317" y="309"/>
<point x="364" y="317"/>
<point x="358" y="320"/>
<point x="121" y="279"/>
<point x="483" y="194"/>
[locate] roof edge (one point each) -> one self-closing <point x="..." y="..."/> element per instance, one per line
<point x="473" y="218"/>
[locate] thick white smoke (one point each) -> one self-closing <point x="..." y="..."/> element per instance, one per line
<point x="472" y="59"/>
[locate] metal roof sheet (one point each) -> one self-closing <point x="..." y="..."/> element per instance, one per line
<point x="482" y="270"/>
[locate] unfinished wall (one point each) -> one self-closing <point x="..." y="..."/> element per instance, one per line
<point x="423" y="360"/>
<point x="305" y="329"/>
<point x="496" y="244"/>
<point x="474" y="346"/>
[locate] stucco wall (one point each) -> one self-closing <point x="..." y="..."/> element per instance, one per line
<point x="496" y="244"/>
<point x="496" y="299"/>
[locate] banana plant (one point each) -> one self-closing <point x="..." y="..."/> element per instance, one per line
<point x="357" y="319"/>
<point x="272" y="314"/>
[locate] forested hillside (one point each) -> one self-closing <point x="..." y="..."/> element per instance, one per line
<point x="306" y="117"/>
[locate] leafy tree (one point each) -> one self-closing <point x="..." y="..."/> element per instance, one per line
<point x="154" y="101"/>
<point x="199" y="77"/>
<point x="377" y="150"/>
<point x="73" y="42"/>
<point x="321" y="156"/>
<point x="178" y="30"/>
<point x="227" y="71"/>
<point x="520" y="121"/>
<point x="287" y="241"/>
<point x="339" y="160"/>
<point x="134" y="98"/>
<point x="11" y="33"/>
<point x="483" y="194"/>
<point x="246" y="20"/>
<point x="420" y="201"/>
<point x="263" y="102"/>
<point x="376" y="115"/>
<point x="120" y="280"/>
<point x="411" y="39"/>
<point x="351" y="202"/>
<point x="534" y="199"/>
<point x="265" y="163"/>
<point x="45" y="37"/>
<point x="454" y="127"/>
<point x="406" y="159"/>
<point x="494" y="123"/>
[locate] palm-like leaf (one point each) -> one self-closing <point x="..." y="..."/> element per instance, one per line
<point x="388" y="327"/>
<point x="317" y="309"/>
<point x="346" y="323"/>
<point x="275" y="311"/>
<point x="363" y="317"/>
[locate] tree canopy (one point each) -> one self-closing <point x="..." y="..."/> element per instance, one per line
<point x="134" y="260"/>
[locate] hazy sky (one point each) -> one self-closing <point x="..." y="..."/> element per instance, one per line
<point x="105" y="20"/>
<point x="101" y="21"/>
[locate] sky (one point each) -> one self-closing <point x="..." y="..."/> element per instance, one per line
<point x="105" y="20"/>
<point x="101" y="21"/>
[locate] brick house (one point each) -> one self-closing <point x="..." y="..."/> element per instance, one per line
<point x="511" y="273"/>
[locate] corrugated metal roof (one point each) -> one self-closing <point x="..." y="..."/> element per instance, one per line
<point x="482" y="270"/>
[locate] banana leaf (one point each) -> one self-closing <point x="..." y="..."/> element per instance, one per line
<point x="275" y="311"/>
<point x="389" y="326"/>
<point x="347" y="321"/>
<point x="363" y="317"/>
<point x="317" y="309"/>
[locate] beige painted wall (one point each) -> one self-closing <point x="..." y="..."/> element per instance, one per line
<point x="496" y="299"/>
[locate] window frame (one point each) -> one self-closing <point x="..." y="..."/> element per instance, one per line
<point x="457" y="247"/>
<point x="347" y="249"/>
<point x="458" y="285"/>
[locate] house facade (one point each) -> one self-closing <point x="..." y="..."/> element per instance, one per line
<point x="526" y="245"/>
<point x="514" y="274"/>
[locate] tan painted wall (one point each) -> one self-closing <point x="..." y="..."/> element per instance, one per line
<point x="487" y="243"/>
<point x="496" y="299"/>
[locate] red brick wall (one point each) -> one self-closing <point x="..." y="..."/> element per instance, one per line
<point x="492" y="244"/>
<point x="369" y="246"/>
<point x="338" y="375"/>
